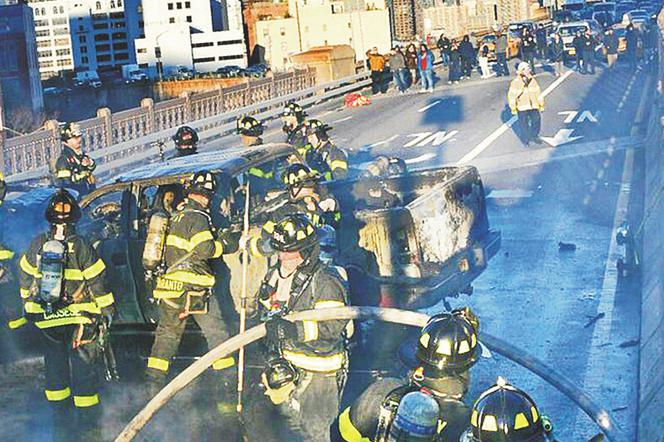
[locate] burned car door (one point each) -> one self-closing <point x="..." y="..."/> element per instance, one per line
<point x="106" y="222"/>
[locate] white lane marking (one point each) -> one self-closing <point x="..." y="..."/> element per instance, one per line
<point x="437" y="138"/>
<point x="594" y="378"/>
<point x="421" y="158"/>
<point x="380" y="143"/>
<point x="343" y="119"/>
<point x="477" y="150"/>
<point x="571" y="115"/>
<point x="429" y="106"/>
<point x="510" y="194"/>
<point x="417" y="138"/>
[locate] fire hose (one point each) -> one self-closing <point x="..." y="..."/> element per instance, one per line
<point x="600" y="416"/>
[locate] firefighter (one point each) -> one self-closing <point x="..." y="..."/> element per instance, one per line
<point x="293" y="119"/>
<point x="64" y="295"/>
<point x="314" y="351"/>
<point x="16" y="319"/>
<point x="507" y="414"/>
<point x="261" y="178"/>
<point x="321" y="155"/>
<point x="186" y="141"/>
<point x="447" y="348"/>
<point x="5" y="254"/>
<point x="73" y="168"/>
<point x="303" y="197"/>
<point x="185" y="288"/>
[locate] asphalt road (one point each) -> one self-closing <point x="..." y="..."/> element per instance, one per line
<point x="567" y="308"/>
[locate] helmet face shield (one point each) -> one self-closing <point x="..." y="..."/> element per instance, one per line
<point x="62" y="208"/>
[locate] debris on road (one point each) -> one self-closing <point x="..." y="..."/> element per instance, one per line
<point x="566" y="247"/>
<point x="593" y="320"/>
<point x="631" y="343"/>
<point x="356" y="100"/>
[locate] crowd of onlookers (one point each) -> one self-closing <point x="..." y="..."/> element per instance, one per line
<point x="411" y="65"/>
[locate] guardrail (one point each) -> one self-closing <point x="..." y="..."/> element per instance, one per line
<point x="125" y="138"/>
<point x="28" y="156"/>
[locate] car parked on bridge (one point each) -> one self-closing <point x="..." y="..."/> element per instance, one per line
<point x="513" y="42"/>
<point x="568" y="30"/>
<point x="230" y="71"/>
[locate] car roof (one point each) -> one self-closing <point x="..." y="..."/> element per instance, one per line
<point x="230" y="161"/>
<point x="575" y="24"/>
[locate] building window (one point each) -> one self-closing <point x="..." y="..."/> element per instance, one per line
<point x="170" y="6"/>
<point x="189" y="19"/>
<point x="62" y="52"/>
<point x="44" y="54"/>
<point x="82" y="39"/>
<point x="282" y="31"/>
<point x="62" y="42"/>
<point x="84" y="49"/>
<point x="231" y="57"/>
<point x="61" y="31"/>
<point x="46" y="64"/>
<point x="84" y="60"/>
<point x="142" y="50"/>
<point x="41" y="23"/>
<point x="103" y="48"/>
<point x="119" y="36"/>
<point x="98" y="6"/>
<point x="112" y="4"/>
<point x="45" y="33"/>
<point x="43" y="11"/>
<point x="349" y="25"/>
<point x="118" y="15"/>
<point x="43" y="44"/>
<point x="63" y="63"/>
<point x="178" y="5"/>
<point x="122" y="56"/>
<point x="55" y="9"/>
<point x="119" y="46"/>
<point x="102" y="58"/>
<point x="229" y="42"/>
<point x="59" y="21"/>
<point x="62" y="10"/>
<point x="202" y="45"/>
<point x="101" y="37"/>
<point x="100" y="26"/>
<point x="119" y="3"/>
<point x="36" y="11"/>
<point x="204" y="60"/>
<point x="187" y="5"/>
<point x="171" y="20"/>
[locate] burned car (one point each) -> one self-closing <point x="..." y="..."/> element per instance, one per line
<point x="431" y="243"/>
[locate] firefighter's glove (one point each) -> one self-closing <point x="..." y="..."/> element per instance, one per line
<point x="279" y="330"/>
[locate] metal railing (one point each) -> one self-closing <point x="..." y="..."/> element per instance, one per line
<point x="111" y="137"/>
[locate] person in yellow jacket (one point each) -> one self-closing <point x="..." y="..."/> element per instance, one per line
<point x="525" y="100"/>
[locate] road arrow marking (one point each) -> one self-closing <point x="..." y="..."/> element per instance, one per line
<point x="421" y="158"/>
<point x="381" y="143"/>
<point x="563" y="136"/>
<point x="427" y="107"/>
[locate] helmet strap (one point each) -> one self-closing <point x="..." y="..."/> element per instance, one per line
<point x="59" y="231"/>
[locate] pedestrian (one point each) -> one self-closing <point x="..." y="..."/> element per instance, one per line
<point x="445" y="378"/>
<point x="525" y="100"/>
<point x="467" y="53"/>
<point x="632" y="43"/>
<point x="376" y="63"/>
<point x="186" y="141"/>
<point x="311" y="353"/>
<point x="588" y="53"/>
<point x="411" y="62"/>
<point x="557" y="53"/>
<point x="501" y="54"/>
<point x="577" y="43"/>
<point x="540" y="38"/>
<point x="444" y="45"/>
<point x="455" y="64"/>
<point x="528" y="48"/>
<point x="64" y="294"/>
<point x="425" y="60"/>
<point x="506" y="407"/>
<point x="611" y="47"/>
<point x="185" y="289"/>
<point x="484" y="61"/>
<point x="73" y="168"/>
<point x="397" y="63"/>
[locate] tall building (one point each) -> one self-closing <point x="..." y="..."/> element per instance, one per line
<point x="406" y="17"/>
<point x="315" y="23"/>
<point x="19" y="70"/>
<point x="85" y="34"/>
<point x="260" y="11"/>
<point x="200" y="34"/>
